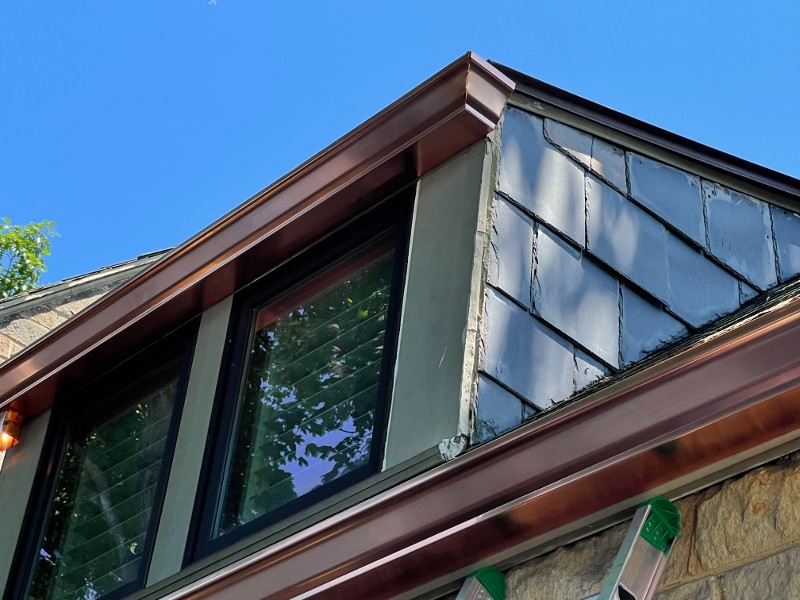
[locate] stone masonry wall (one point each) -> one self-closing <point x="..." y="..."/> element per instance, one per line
<point x="26" y="318"/>
<point x="740" y="541"/>
<point x="22" y="328"/>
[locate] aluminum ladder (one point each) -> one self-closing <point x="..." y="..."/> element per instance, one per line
<point x="637" y="567"/>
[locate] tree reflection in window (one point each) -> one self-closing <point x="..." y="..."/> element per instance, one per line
<point x="310" y="391"/>
<point x="101" y="510"/>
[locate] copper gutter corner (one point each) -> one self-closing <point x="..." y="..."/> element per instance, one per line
<point x="487" y="89"/>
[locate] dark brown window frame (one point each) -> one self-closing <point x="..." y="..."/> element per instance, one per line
<point x="91" y="404"/>
<point x="390" y="219"/>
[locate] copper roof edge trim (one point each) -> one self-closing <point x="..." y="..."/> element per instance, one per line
<point x="470" y="62"/>
<point x="689" y="412"/>
<point x="646" y="132"/>
<point x="468" y="88"/>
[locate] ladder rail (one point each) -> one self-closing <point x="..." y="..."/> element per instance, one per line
<point x="637" y="567"/>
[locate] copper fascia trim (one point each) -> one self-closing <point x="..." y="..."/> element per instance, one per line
<point x="722" y="402"/>
<point x="780" y="183"/>
<point x="432" y="123"/>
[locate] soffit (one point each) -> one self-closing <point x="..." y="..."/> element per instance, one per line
<point x="432" y="123"/>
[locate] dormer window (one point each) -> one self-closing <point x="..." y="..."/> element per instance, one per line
<point x="304" y="409"/>
<point x="107" y="474"/>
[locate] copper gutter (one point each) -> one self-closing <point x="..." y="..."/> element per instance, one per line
<point x="435" y="121"/>
<point x="720" y="403"/>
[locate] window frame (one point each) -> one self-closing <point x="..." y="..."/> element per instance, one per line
<point x="79" y="411"/>
<point x="389" y="219"/>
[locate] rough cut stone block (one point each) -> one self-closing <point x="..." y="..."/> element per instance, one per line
<point x="8" y="347"/>
<point x="740" y="233"/>
<point x="23" y="331"/>
<point x="524" y="354"/>
<point x="609" y="162"/>
<point x="748" y="518"/>
<point x="76" y="305"/>
<point x="677" y="570"/>
<point x="700" y="291"/>
<point x="627" y="238"/>
<point x="587" y="370"/>
<point x="705" y="589"/>
<point x="645" y="327"/>
<point x="575" y="142"/>
<point x="511" y="257"/>
<point x="571" y="572"/>
<point x="45" y="317"/>
<point x="671" y="193"/>
<point x="787" y="238"/>
<point x="776" y="577"/>
<point x="539" y="176"/>
<point x="498" y="411"/>
<point x="576" y="296"/>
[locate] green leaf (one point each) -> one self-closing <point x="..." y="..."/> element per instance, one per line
<point x="22" y="249"/>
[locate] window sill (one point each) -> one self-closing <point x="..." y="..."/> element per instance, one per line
<point x="294" y="525"/>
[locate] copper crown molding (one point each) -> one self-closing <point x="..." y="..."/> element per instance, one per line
<point x="781" y="184"/>
<point x="722" y="404"/>
<point x="429" y="125"/>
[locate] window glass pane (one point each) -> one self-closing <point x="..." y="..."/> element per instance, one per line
<point x="105" y="491"/>
<point x="311" y="389"/>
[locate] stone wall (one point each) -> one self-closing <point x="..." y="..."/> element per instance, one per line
<point x="21" y="329"/>
<point x="740" y="541"/>
<point x="28" y="317"/>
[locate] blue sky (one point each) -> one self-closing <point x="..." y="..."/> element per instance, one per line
<point x="135" y="124"/>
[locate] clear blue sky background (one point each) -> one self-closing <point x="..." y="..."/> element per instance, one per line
<point x="135" y="124"/>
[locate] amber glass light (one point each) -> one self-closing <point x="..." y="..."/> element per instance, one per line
<point x="10" y="426"/>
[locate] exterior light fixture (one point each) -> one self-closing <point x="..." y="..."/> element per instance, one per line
<point x="10" y="426"/>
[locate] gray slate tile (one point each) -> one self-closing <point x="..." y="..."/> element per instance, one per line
<point x="498" y="411"/>
<point x="624" y="236"/>
<point x="587" y="370"/>
<point x="511" y="256"/>
<point x="746" y="292"/>
<point x="645" y="327"/>
<point x="524" y="354"/>
<point x="700" y="291"/>
<point x="787" y="238"/>
<point x="539" y="177"/>
<point x="671" y="193"/>
<point x="576" y="296"/>
<point x="740" y="233"/>
<point x="575" y="142"/>
<point x="609" y="161"/>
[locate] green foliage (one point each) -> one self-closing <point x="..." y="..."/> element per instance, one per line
<point x="22" y="252"/>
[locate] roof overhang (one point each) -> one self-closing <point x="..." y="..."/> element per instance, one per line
<point x="729" y="402"/>
<point x="429" y="125"/>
